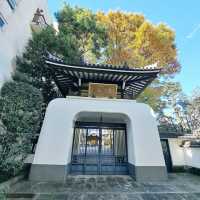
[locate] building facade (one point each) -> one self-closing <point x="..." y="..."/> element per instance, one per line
<point x="97" y="127"/>
<point x="137" y="152"/>
<point x="16" y="24"/>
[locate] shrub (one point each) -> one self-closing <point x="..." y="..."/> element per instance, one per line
<point x="20" y="107"/>
<point x="20" y="113"/>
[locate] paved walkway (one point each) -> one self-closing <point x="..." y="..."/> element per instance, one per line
<point x="180" y="186"/>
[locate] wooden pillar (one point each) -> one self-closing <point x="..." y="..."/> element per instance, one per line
<point x="122" y="89"/>
<point x="79" y="86"/>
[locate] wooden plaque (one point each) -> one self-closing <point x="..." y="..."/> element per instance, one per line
<point x="102" y="90"/>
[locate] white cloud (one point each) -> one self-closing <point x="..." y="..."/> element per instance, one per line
<point x="194" y="31"/>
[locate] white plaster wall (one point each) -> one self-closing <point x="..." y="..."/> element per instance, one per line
<point x="55" y="141"/>
<point x="16" y="32"/>
<point x="192" y="157"/>
<point x="177" y="153"/>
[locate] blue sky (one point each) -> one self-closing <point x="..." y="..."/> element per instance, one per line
<point x="181" y="15"/>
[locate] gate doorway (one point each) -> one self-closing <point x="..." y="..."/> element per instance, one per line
<point x="99" y="148"/>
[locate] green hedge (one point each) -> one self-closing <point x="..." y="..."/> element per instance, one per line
<point x="20" y="116"/>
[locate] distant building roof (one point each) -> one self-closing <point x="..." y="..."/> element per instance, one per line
<point x="172" y="131"/>
<point x="168" y="135"/>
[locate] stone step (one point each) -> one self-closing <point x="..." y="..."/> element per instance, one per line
<point x="105" y="196"/>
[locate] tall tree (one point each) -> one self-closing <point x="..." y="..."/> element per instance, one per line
<point x="121" y="29"/>
<point x="83" y="24"/>
<point x="134" y="41"/>
<point x="161" y="95"/>
<point x="152" y="96"/>
<point x="171" y="93"/>
<point x="193" y="111"/>
<point x="32" y="62"/>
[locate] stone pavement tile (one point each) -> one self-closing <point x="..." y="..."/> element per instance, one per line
<point x="68" y="187"/>
<point x="190" y="196"/>
<point x="165" y="196"/>
<point x="124" y="184"/>
<point x="128" y="188"/>
<point x="149" y="197"/>
<point x="90" y="196"/>
<point x="101" y="179"/>
<point x="70" y="180"/>
<point x="67" y="196"/>
<point x="111" y="196"/>
<point x="110" y="179"/>
<point x="18" y="199"/>
<point x="22" y="186"/>
<point x="49" y="188"/>
<point x="184" y="178"/>
<point x="91" y="180"/>
<point x="51" y="197"/>
<point x="90" y="187"/>
<point x="133" y="197"/>
<point x="157" y="188"/>
<point x="103" y="187"/>
<point x="112" y="185"/>
<point x="127" y="185"/>
<point x="121" y="180"/>
<point x="197" y="195"/>
<point x="185" y="188"/>
<point x="99" y="196"/>
<point x="78" y="185"/>
<point x="137" y="186"/>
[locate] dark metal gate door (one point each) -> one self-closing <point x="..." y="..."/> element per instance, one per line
<point x="167" y="155"/>
<point x="99" y="150"/>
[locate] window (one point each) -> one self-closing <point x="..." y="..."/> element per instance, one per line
<point x="12" y="4"/>
<point x="2" y="21"/>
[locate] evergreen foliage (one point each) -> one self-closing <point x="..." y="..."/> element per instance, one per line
<point x="13" y="151"/>
<point x="32" y="63"/>
<point x="90" y="34"/>
<point x="21" y="106"/>
<point x="20" y="115"/>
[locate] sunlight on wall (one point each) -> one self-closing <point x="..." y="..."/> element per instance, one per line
<point x="189" y="152"/>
